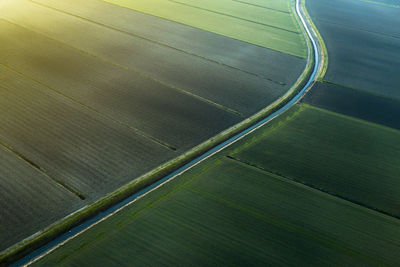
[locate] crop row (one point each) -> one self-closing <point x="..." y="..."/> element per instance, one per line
<point x="204" y="44"/>
<point x="364" y="54"/>
<point x="27" y="193"/>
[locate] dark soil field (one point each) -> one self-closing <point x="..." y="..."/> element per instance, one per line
<point x="355" y="103"/>
<point x="27" y="193"/>
<point x="88" y="154"/>
<point x="357" y="14"/>
<point x="75" y="145"/>
<point x="124" y="96"/>
<point x="233" y="88"/>
<point x="58" y="66"/>
<point x="364" y="50"/>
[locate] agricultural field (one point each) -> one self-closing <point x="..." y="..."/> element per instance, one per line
<point x="361" y="81"/>
<point x="353" y="159"/>
<point x="21" y="181"/>
<point x="226" y="211"/>
<point x="143" y="104"/>
<point x="102" y="94"/>
<point x="364" y="51"/>
<point x="233" y="89"/>
<point x="86" y="151"/>
<point x="388" y="3"/>
<point x="355" y="103"/>
<point x="351" y="14"/>
<point x="240" y="55"/>
<point x="278" y="5"/>
<point x="239" y="20"/>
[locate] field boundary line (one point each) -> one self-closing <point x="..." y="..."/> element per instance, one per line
<point x="358" y="29"/>
<point x="243" y="41"/>
<point x="381" y="4"/>
<point x="235" y="17"/>
<point x="205" y="100"/>
<point x="39" y="169"/>
<point x="153" y="41"/>
<point x="324" y="52"/>
<point x="321" y="238"/>
<point x="102" y="115"/>
<point x="35" y="245"/>
<point x="361" y="91"/>
<point x="311" y="187"/>
<point x="351" y="118"/>
<point x="270" y="8"/>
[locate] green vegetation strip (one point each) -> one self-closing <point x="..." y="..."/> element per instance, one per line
<point x="283" y="6"/>
<point x="353" y="159"/>
<point x="227" y="213"/>
<point x="321" y="43"/>
<point x="381" y="3"/>
<point x="252" y="24"/>
<point x="240" y="11"/>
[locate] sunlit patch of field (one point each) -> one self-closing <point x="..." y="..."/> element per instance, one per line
<point x="239" y="20"/>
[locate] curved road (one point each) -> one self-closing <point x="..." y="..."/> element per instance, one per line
<point x="51" y="246"/>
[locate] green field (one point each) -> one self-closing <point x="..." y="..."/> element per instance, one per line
<point x="232" y="210"/>
<point x="278" y="5"/>
<point x="250" y="23"/>
<point x="349" y="158"/>
<point x="246" y="12"/>
<point x="228" y="213"/>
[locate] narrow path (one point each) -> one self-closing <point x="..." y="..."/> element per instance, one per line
<point x="58" y="242"/>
